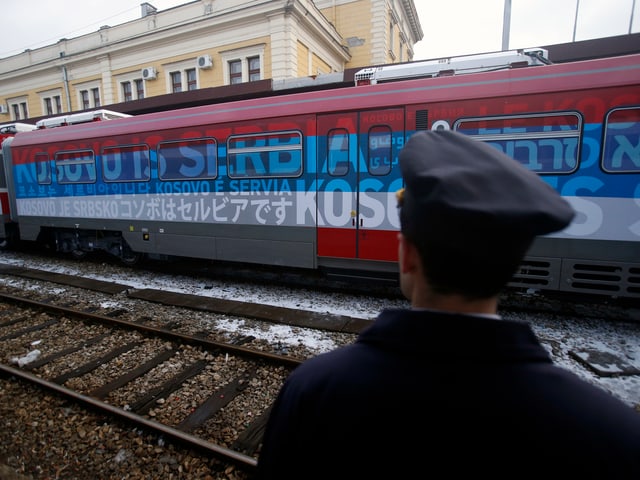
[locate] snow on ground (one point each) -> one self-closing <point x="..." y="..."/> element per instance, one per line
<point x="582" y="336"/>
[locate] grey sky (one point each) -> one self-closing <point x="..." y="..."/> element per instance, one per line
<point x="451" y="27"/>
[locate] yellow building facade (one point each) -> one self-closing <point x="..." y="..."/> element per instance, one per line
<point x="202" y="44"/>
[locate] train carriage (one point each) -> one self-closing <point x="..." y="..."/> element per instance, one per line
<point x="309" y="179"/>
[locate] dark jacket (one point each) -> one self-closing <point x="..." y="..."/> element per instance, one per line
<point x="422" y="394"/>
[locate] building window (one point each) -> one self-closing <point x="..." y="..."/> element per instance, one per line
<point x="240" y="71"/>
<point x="48" y="106"/>
<point x="254" y="68"/>
<point x="19" y="110"/>
<point x="51" y="102"/>
<point x="84" y="99"/>
<point x="95" y="92"/>
<point x="178" y="77"/>
<point x="235" y="72"/>
<point x="89" y="95"/>
<point x="181" y="76"/>
<point x="192" y="79"/>
<point x="243" y="64"/>
<point x="126" y="91"/>
<point x="139" y="88"/>
<point x="132" y="89"/>
<point x="176" y="82"/>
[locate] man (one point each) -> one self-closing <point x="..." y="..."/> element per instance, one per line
<point x="448" y="388"/>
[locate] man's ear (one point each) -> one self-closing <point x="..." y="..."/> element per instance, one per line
<point x="407" y="255"/>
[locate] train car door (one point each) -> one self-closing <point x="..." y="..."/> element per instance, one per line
<point x="358" y="176"/>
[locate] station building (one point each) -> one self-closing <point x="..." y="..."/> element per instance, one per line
<point x="200" y="46"/>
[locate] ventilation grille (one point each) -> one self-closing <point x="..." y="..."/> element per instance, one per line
<point x="422" y="120"/>
<point x="570" y="275"/>
<point x="608" y="278"/>
<point x="539" y="273"/>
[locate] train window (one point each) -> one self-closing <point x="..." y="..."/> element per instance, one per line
<point x="622" y="141"/>
<point x="126" y="163"/>
<point x="273" y="154"/>
<point x="192" y="159"/>
<point x="75" y="166"/>
<point x="380" y="154"/>
<point x="338" y="152"/>
<point x="544" y="143"/>
<point x="43" y="168"/>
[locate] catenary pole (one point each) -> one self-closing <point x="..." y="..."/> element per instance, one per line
<point x="506" y="25"/>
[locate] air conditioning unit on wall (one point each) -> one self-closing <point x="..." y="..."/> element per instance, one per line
<point x="149" y="73"/>
<point x="205" y="61"/>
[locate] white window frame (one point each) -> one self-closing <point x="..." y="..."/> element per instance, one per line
<point x="51" y="94"/>
<point x="131" y="78"/>
<point x="88" y="86"/>
<point x="181" y="67"/>
<point x="22" y="102"/>
<point x="242" y="54"/>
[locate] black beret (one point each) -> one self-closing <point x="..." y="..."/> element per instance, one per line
<point x="460" y="191"/>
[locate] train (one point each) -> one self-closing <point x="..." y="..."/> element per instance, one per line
<point x="307" y="179"/>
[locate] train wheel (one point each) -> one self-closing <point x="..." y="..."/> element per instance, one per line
<point x="130" y="258"/>
<point x="78" y="254"/>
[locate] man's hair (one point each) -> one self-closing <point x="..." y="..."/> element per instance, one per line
<point x="477" y="271"/>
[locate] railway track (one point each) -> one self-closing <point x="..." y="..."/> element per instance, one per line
<point x="257" y="311"/>
<point x="150" y="372"/>
<point x="138" y="373"/>
<point x="159" y="350"/>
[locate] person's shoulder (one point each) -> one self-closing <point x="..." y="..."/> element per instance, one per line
<point x="327" y="367"/>
<point x="327" y="360"/>
<point x="597" y="405"/>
